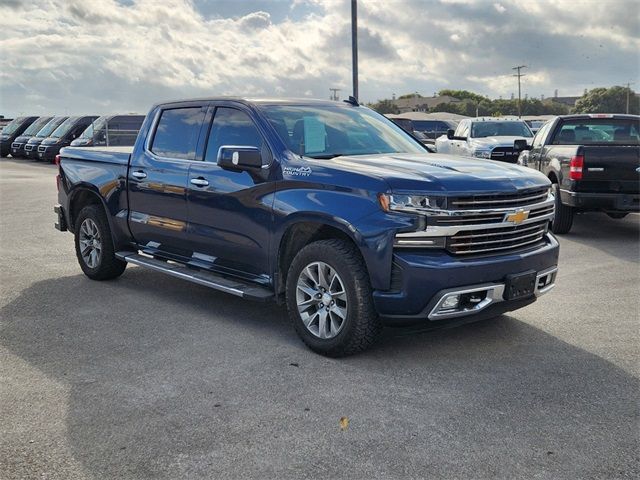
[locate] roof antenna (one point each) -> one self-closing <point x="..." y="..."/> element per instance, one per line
<point x="352" y="100"/>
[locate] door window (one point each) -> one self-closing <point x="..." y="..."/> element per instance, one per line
<point x="177" y="133"/>
<point x="231" y="127"/>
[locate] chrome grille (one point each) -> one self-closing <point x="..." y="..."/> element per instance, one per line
<point x="496" y="239"/>
<point x="28" y="147"/>
<point x="480" y="218"/>
<point x="499" y="201"/>
<point x="42" y="149"/>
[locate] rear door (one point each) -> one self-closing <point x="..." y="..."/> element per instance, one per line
<point x="230" y="212"/>
<point x="158" y="178"/>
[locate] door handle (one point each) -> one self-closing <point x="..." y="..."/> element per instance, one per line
<point x="139" y="174"/>
<point x="200" y="182"/>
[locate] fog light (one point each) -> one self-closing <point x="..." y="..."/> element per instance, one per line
<point x="450" y="302"/>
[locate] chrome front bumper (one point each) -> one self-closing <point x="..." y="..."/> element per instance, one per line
<point x="484" y="295"/>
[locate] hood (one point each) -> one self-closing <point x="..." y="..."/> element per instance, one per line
<point x="490" y="142"/>
<point x="434" y="173"/>
<point x="23" y="139"/>
<point x="50" y="141"/>
<point x="35" y="141"/>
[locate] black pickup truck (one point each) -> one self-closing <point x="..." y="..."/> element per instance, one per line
<point x="593" y="162"/>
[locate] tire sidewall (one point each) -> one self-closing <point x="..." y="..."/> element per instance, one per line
<point x="317" y="252"/>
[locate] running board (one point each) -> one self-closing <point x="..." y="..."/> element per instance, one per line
<point x="201" y="277"/>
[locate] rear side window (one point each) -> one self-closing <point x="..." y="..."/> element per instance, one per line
<point x="177" y="133"/>
<point x="231" y="127"/>
<point x="592" y="131"/>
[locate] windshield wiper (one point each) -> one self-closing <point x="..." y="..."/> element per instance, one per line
<point x="327" y="156"/>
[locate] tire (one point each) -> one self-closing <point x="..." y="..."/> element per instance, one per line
<point x="354" y="315"/>
<point x="92" y="223"/>
<point x="617" y="215"/>
<point x="564" y="214"/>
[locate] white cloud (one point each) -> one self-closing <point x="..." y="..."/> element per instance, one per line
<point x="103" y="55"/>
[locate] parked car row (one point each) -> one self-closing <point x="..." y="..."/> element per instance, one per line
<point x="41" y="138"/>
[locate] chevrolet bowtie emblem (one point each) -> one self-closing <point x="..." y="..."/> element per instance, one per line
<point x="518" y="216"/>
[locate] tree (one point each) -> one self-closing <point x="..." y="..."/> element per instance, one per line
<point x="462" y="95"/>
<point x="384" y="106"/>
<point x="608" y="100"/>
<point x="410" y="95"/>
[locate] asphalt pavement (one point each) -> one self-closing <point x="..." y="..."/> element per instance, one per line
<point x="150" y="377"/>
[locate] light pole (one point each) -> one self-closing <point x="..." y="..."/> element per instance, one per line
<point x="519" y="75"/>
<point x="354" y="46"/>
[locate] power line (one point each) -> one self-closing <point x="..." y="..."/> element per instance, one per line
<point x="519" y="75"/>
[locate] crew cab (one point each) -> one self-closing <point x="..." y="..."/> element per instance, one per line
<point x="593" y="162"/>
<point x="490" y="138"/>
<point x="325" y="206"/>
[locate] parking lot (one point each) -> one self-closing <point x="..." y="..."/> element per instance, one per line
<point x="174" y="380"/>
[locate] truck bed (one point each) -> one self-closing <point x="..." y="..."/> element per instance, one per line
<point x="119" y="155"/>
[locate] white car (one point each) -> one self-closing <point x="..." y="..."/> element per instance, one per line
<point x="490" y="138"/>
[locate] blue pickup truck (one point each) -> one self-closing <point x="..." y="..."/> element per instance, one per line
<point x="328" y="207"/>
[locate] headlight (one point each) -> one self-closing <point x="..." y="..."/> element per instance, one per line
<point x="411" y="203"/>
<point x="482" y="154"/>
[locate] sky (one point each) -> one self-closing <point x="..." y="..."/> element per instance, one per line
<point x="118" y="56"/>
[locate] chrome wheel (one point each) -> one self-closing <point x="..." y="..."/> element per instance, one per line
<point x="321" y="300"/>
<point x="90" y="243"/>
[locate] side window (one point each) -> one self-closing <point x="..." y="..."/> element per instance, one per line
<point x="231" y="127"/>
<point x="177" y="133"/>
<point x="537" y="140"/>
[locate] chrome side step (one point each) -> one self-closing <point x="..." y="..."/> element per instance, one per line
<point x="201" y="277"/>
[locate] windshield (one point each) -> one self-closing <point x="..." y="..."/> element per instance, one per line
<point x="13" y="125"/>
<point x="50" y="127"/>
<point x="36" y="126"/>
<point x="599" y="131"/>
<point x="64" y="127"/>
<point x="500" y="129"/>
<point x="96" y="125"/>
<point x="331" y="131"/>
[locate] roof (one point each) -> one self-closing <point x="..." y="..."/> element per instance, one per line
<point x="428" y="116"/>
<point x="261" y="101"/>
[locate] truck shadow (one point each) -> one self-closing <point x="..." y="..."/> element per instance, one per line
<point x="165" y="379"/>
<point x="619" y="238"/>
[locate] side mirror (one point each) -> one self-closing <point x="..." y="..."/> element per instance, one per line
<point x="239" y="158"/>
<point x="520" y="145"/>
<point x="450" y="133"/>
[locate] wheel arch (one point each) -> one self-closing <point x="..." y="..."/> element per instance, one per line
<point x="304" y="230"/>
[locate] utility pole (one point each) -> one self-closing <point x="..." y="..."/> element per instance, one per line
<point x="628" y="92"/>
<point x="334" y="94"/>
<point x="354" y="46"/>
<point x="519" y="75"/>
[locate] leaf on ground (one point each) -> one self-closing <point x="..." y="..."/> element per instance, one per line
<point x="344" y="423"/>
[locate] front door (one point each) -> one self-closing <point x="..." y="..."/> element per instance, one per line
<point x="158" y="180"/>
<point x="230" y="212"/>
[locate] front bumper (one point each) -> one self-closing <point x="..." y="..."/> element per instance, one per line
<point x="423" y="278"/>
<point x="624" y="202"/>
<point x="17" y="149"/>
<point x="47" y="153"/>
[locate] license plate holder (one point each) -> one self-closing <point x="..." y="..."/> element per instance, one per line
<point x="520" y="285"/>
